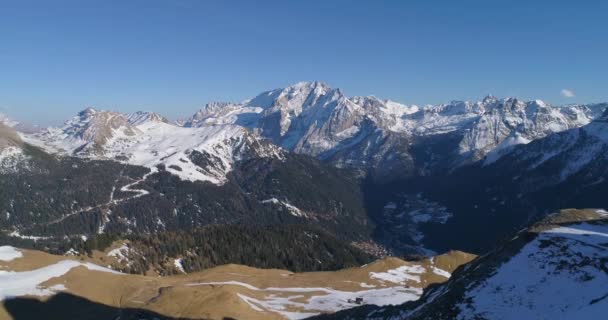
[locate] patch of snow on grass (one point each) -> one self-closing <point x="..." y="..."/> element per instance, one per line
<point x="8" y="253"/>
<point x="15" y="284"/>
<point x="441" y="272"/>
<point x="326" y="300"/>
<point x="399" y="275"/>
<point x="121" y="253"/>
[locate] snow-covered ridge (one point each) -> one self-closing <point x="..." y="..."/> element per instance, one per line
<point x="567" y="153"/>
<point x="147" y="139"/>
<point x="314" y="119"/>
<point x="556" y="269"/>
<point x="141" y="117"/>
<point x="558" y="275"/>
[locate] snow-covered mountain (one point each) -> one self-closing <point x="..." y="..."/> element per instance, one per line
<point x="492" y="199"/>
<point x="366" y="132"/>
<point x="148" y="139"/>
<point x="385" y="138"/>
<point x="554" y="270"/>
<point x="313" y="119"/>
<point x="141" y="117"/>
<point x="566" y="154"/>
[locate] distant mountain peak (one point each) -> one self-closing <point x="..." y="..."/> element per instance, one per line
<point x="489" y="99"/>
<point x="87" y="112"/>
<point x="308" y="85"/>
<point x="141" y="117"/>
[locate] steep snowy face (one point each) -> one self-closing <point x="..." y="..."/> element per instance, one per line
<point x="491" y="127"/>
<point x="580" y="151"/>
<point x="147" y="139"/>
<point x="216" y="113"/>
<point x="314" y="119"/>
<point x="385" y="113"/>
<point x="141" y="117"/>
<point x="558" y="275"/>
<point x="195" y="154"/>
<point x="366" y="132"/>
<point x="298" y="108"/>
<point x="517" y="122"/>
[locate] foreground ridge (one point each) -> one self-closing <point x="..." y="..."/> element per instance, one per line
<point x="554" y="269"/>
<point x="229" y="291"/>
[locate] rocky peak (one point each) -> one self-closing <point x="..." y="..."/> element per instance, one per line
<point x="141" y="117"/>
<point x="489" y="99"/>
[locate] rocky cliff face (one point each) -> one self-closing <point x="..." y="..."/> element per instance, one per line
<point x="206" y="153"/>
<point x="374" y="134"/>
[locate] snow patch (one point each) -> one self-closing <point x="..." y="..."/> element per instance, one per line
<point x="15" y="284"/>
<point x="291" y="208"/>
<point x="400" y="275"/>
<point x="8" y="253"/>
<point x="11" y="158"/>
<point x="559" y="275"/>
<point x="178" y="264"/>
<point x="281" y="300"/>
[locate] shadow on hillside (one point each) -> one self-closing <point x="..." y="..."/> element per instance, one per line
<point x="65" y="306"/>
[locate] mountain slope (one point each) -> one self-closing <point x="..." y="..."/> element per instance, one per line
<point x="491" y="200"/>
<point x="389" y="138"/>
<point x="572" y="164"/>
<point x="556" y="269"/>
<point x="147" y="139"/>
<point x="55" y="200"/>
<point x="11" y="149"/>
<point x="297" y="248"/>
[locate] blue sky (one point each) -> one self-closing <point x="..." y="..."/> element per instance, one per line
<point x="57" y="57"/>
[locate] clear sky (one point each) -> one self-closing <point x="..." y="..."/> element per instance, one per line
<point x="173" y="56"/>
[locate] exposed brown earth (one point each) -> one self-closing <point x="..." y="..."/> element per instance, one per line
<point x="228" y="291"/>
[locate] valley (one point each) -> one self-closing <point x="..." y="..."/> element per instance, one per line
<point x="303" y="160"/>
<point x="299" y="202"/>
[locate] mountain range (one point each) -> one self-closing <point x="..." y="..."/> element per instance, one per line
<point x="395" y="150"/>
<point x="385" y="137"/>
<point x="347" y="179"/>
